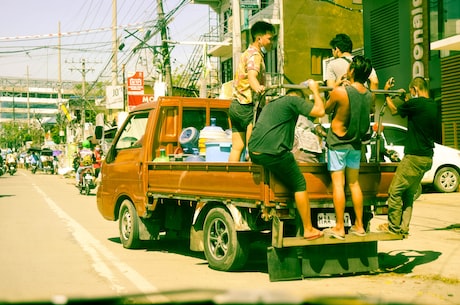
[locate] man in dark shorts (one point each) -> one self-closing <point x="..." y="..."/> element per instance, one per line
<point x="248" y="86"/>
<point x="271" y="143"/>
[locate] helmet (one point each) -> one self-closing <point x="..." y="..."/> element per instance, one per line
<point x="86" y="144"/>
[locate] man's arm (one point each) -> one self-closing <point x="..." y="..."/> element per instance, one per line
<point x="254" y="82"/>
<point x="391" y="105"/>
<point x="318" y="106"/>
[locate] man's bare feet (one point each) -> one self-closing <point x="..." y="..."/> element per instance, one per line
<point x="331" y="232"/>
<point x="312" y="234"/>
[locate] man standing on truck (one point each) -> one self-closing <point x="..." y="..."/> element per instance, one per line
<point x="336" y="71"/>
<point x="422" y="114"/>
<point x="271" y="144"/>
<point x="249" y="86"/>
<point x="350" y="107"/>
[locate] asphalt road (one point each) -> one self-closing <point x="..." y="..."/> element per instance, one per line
<point x="55" y="245"/>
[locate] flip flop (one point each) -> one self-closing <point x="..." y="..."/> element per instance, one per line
<point x="356" y="232"/>
<point x="329" y="232"/>
<point x="316" y="236"/>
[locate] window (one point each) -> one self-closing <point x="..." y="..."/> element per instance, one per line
<point x="317" y="57"/>
<point x="227" y="70"/>
<point x="133" y="131"/>
<point x="394" y="136"/>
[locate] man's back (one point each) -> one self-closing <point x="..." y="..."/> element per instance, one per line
<point x="350" y="118"/>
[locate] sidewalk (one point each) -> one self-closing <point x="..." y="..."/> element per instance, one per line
<point x="432" y="249"/>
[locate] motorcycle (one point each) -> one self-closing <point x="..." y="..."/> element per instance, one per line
<point x="12" y="168"/>
<point x="87" y="181"/>
<point x="33" y="168"/>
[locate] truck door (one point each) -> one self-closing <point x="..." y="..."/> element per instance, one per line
<point x="124" y="169"/>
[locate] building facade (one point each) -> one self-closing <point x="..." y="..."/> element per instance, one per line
<point x="403" y="38"/>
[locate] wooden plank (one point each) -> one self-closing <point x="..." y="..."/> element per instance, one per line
<point x="349" y="238"/>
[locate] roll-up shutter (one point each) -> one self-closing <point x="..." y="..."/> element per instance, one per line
<point x="450" y="105"/>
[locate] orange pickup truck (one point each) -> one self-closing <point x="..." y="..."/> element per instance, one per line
<point x="222" y="207"/>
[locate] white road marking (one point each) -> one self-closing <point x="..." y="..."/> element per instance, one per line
<point x="95" y="249"/>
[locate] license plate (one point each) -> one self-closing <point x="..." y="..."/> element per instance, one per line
<point x="327" y="220"/>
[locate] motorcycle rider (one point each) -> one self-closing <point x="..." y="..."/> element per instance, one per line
<point x="11" y="160"/>
<point x="86" y="158"/>
<point x="98" y="158"/>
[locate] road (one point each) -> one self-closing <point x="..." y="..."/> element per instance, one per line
<point x="54" y="243"/>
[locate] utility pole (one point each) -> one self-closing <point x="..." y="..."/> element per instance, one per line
<point x="165" y="48"/>
<point x="236" y="51"/>
<point x="83" y="71"/>
<point x="115" y="52"/>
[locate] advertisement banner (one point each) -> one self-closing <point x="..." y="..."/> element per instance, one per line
<point x="420" y="38"/>
<point x="134" y="100"/>
<point x="136" y="83"/>
<point x="114" y="97"/>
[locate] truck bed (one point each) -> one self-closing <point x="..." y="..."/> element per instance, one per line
<point x="245" y="182"/>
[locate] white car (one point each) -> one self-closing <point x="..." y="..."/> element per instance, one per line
<point x="444" y="174"/>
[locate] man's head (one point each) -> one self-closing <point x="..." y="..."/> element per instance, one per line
<point x="262" y="34"/>
<point x="418" y="87"/>
<point x="341" y="43"/>
<point x="295" y="92"/>
<point x="360" y="68"/>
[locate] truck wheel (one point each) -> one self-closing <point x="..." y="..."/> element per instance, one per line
<point x="128" y="222"/>
<point x="222" y="247"/>
<point x="446" y="180"/>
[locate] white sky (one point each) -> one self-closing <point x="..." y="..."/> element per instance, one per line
<point x="28" y="30"/>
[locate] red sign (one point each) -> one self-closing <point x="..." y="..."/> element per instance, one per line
<point x="134" y="100"/>
<point x="136" y="83"/>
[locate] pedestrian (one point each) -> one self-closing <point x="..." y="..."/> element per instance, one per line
<point x="249" y="87"/>
<point x="271" y="144"/>
<point x="422" y="117"/>
<point x="349" y="107"/>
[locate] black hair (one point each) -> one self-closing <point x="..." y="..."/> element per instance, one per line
<point x="342" y="42"/>
<point x="362" y="68"/>
<point x="298" y="92"/>
<point x="261" y="28"/>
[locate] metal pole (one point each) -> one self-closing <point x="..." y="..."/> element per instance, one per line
<point x="165" y="48"/>
<point x="236" y="47"/>
<point x="83" y="88"/>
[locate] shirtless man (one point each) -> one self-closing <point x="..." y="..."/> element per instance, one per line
<point x="350" y="107"/>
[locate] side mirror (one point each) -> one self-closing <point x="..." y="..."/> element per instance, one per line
<point x="99" y="132"/>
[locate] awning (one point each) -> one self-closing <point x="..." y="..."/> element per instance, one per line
<point x="451" y="43"/>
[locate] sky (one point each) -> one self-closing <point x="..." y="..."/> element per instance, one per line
<point x="29" y="40"/>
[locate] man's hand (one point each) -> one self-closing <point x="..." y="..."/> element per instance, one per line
<point x="389" y="84"/>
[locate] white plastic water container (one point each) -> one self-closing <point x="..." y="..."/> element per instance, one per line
<point x="210" y="133"/>
<point x="218" y="150"/>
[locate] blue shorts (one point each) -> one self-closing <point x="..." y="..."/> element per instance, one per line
<point x="338" y="160"/>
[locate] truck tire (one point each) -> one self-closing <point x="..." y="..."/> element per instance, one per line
<point x="222" y="247"/>
<point x="446" y="180"/>
<point x="128" y="225"/>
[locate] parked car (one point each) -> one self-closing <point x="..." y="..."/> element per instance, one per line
<point x="444" y="174"/>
